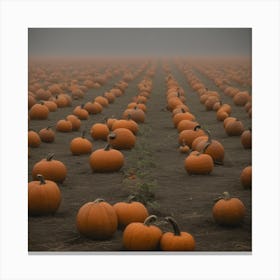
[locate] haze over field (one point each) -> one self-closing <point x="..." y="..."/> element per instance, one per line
<point x="152" y="42"/>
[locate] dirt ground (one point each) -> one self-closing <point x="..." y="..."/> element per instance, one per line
<point x="187" y="198"/>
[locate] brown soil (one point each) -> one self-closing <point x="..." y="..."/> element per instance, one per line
<point x="187" y="198"/>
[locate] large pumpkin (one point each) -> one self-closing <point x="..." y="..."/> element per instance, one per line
<point x="50" y="169"/>
<point x="43" y="197"/>
<point x="228" y="211"/>
<point x="97" y="220"/>
<point x="129" y="212"/>
<point x="39" y="112"/>
<point x="122" y="139"/>
<point x="99" y="131"/>
<point x="199" y="163"/>
<point x="177" y="241"/>
<point x="106" y="160"/>
<point x="142" y="236"/>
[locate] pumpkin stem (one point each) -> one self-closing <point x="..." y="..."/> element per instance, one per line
<point x="83" y="133"/>
<point x="107" y="147"/>
<point x="112" y="135"/>
<point x="174" y="224"/>
<point x="150" y="219"/>
<point x="129" y="117"/>
<point x="131" y="198"/>
<point x="41" y="179"/>
<point x="50" y="156"/>
<point x="209" y="135"/>
<point x="207" y="144"/>
<point x="183" y="110"/>
<point x="196" y="127"/>
<point x="82" y="106"/>
<point x="97" y="200"/>
<point x="226" y="195"/>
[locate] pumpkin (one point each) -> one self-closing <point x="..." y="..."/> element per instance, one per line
<point x="234" y="128"/>
<point x="212" y="147"/>
<point x="64" y="126"/>
<point x="198" y="163"/>
<point x="75" y="121"/>
<point x="129" y="212"/>
<point x="102" y="101"/>
<point x="138" y="105"/>
<point x="106" y="160"/>
<point x="93" y="107"/>
<point x="188" y="136"/>
<point x="142" y="236"/>
<point x="241" y="98"/>
<point x="177" y="241"/>
<point x="99" y="131"/>
<point x="51" y="169"/>
<point x="186" y="124"/>
<point x="110" y="96"/>
<point x="81" y="113"/>
<point x="31" y="101"/>
<point x="135" y="114"/>
<point x="34" y="140"/>
<point x="97" y="220"/>
<point x="110" y="121"/>
<point x="228" y="120"/>
<point x="47" y="135"/>
<point x="128" y="124"/>
<point x="246" y="177"/>
<point x="246" y="139"/>
<point x="182" y="116"/>
<point x="122" y="139"/>
<point x="61" y="101"/>
<point x="51" y="105"/>
<point x="228" y="211"/>
<point x="221" y="115"/>
<point x="39" y="112"/>
<point x="44" y="197"/>
<point x="184" y="148"/>
<point x="179" y="108"/>
<point x="80" y="145"/>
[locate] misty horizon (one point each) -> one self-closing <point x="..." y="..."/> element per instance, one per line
<point x="138" y="42"/>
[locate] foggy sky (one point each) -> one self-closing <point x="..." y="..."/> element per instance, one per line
<point x="138" y="41"/>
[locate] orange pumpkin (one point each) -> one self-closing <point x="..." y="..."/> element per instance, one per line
<point x="80" y="145"/>
<point x="198" y="163"/>
<point x="246" y="177"/>
<point x="97" y="220"/>
<point x="106" y="160"/>
<point x="47" y="135"/>
<point x="99" y="131"/>
<point x="246" y="139"/>
<point x="39" y="112"/>
<point x="128" y="124"/>
<point x="64" y="126"/>
<point x="34" y="140"/>
<point x="75" y="121"/>
<point x="177" y="241"/>
<point x="122" y="138"/>
<point x="44" y="197"/>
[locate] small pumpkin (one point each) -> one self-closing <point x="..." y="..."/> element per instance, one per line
<point x="189" y="135"/>
<point x="34" y="139"/>
<point x="129" y="124"/>
<point x="246" y="177"/>
<point x="97" y="220"/>
<point x="131" y="211"/>
<point x="184" y="148"/>
<point x="81" y="113"/>
<point x="64" y="126"/>
<point x="102" y="101"/>
<point x="47" y="135"/>
<point x="75" y="121"/>
<point x="80" y="145"/>
<point x="93" y="107"/>
<point x="142" y="236"/>
<point x="246" y="139"/>
<point x="228" y="211"/>
<point x="234" y="128"/>
<point x="221" y="115"/>
<point x="122" y="139"/>
<point x="182" y="116"/>
<point x="177" y="241"/>
<point x="99" y="131"/>
<point x="186" y="124"/>
<point x="106" y="160"/>
<point x="135" y="114"/>
<point x="199" y="163"/>
<point x="44" y="197"/>
<point x="50" y="169"/>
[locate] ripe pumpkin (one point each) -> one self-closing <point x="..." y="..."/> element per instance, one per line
<point x="47" y="135"/>
<point x="44" y="197"/>
<point x="234" y="128"/>
<point x="51" y="105"/>
<point x="188" y="136"/>
<point x="80" y="145"/>
<point x="122" y="139"/>
<point x="186" y="124"/>
<point x="97" y="220"/>
<point x="182" y="116"/>
<point x="64" y="126"/>
<point x="81" y="113"/>
<point x="50" y="169"/>
<point x="228" y="211"/>
<point x="142" y="236"/>
<point x="241" y="98"/>
<point x="246" y="177"/>
<point x="212" y="147"/>
<point x="102" y="101"/>
<point x="184" y="148"/>
<point x="76" y="122"/>
<point x="129" y="212"/>
<point x="199" y="163"/>
<point x="221" y="115"/>
<point x="99" y="131"/>
<point x="246" y="139"/>
<point x="136" y="114"/>
<point x="128" y="124"/>
<point x="34" y="140"/>
<point x="39" y="112"/>
<point x="106" y="160"/>
<point x="93" y="107"/>
<point x="177" y="241"/>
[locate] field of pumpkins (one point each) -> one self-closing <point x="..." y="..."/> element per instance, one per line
<point x="140" y="155"/>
